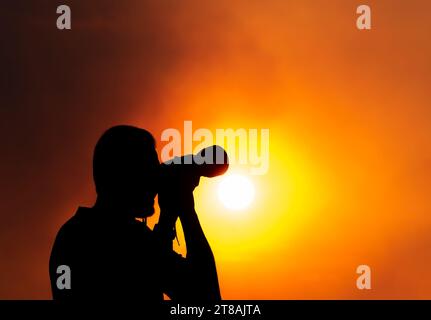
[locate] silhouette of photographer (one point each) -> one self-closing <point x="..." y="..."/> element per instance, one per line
<point x="113" y="255"/>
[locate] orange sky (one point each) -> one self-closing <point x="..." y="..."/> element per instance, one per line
<point x="349" y="119"/>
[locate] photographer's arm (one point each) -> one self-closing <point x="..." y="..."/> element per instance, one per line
<point x="200" y="258"/>
<point x="195" y="277"/>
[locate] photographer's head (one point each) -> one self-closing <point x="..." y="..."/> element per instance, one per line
<point x="125" y="171"/>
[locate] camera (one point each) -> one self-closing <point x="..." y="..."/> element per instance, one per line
<point x="187" y="170"/>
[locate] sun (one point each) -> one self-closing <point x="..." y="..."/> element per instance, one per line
<point x="236" y="192"/>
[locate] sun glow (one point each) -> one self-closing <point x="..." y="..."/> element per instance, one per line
<point x="236" y="192"/>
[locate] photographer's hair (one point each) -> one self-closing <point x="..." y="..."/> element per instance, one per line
<point x="119" y="151"/>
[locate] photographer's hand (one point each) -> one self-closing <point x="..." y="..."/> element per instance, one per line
<point x="176" y="196"/>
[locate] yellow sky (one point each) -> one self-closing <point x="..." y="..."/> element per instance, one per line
<point x="348" y="114"/>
